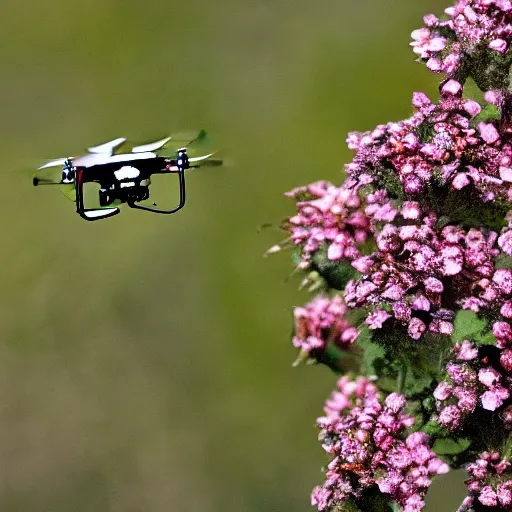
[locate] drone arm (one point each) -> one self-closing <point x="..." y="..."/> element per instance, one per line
<point x="193" y="163"/>
<point x="89" y="213"/>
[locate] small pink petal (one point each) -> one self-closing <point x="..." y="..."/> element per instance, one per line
<point x="436" y="44"/>
<point x="506" y="174"/>
<point x="472" y="107"/>
<point x="492" y="97"/>
<point x="434" y="64"/>
<point x="498" y="45"/>
<point x="488" y="132"/>
<point x="452" y="87"/>
<point x="460" y="181"/>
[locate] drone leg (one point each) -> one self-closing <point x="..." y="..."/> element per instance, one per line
<point x="181" y="173"/>
<point x="85" y="213"/>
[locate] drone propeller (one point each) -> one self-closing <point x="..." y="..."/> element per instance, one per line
<point x="54" y="163"/>
<point x="108" y="147"/>
<point x="199" y="149"/>
<point x="153" y="146"/>
<point x="50" y="173"/>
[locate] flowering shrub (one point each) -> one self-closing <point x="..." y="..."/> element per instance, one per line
<point x="412" y="257"/>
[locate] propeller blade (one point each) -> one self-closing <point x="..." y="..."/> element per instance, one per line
<point x="153" y="146"/>
<point x="108" y="147"/>
<point x="69" y="191"/>
<point x="104" y="158"/>
<point x="59" y="162"/>
<point x="200" y="158"/>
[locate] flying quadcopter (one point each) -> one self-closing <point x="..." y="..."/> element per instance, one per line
<point x="120" y="178"/>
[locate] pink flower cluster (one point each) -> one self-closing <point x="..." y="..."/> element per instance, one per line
<point x="420" y="271"/>
<point x="438" y="145"/>
<point x="472" y="382"/>
<point x="472" y="25"/>
<point x="369" y="446"/>
<point x="494" y="294"/>
<point x="421" y="217"/>
<point x="321" y="322"/>
<point x="327" y="216"/>
<point x="490" y="483"/>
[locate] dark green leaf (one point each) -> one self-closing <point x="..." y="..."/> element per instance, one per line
<point x="336" y="273"/>
<point x="415" y="383"/>
<point x="371" y="352"/>
<point x="503" y="261"/>
<point x="449" y="446"/>
<point x="433" y="428"/>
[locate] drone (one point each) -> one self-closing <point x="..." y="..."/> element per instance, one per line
<point x="124" y="177"/>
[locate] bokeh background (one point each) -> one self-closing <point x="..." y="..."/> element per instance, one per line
<point x="145" y="361"/>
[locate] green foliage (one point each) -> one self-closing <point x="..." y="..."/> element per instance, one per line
<point x="372" y="354"/>
<point x="425" y="132"/>
<point x="391" y="183"/>
<point x="296" y="257"/>
<point x="462" y="206"/>
<point x="409" y="367"/>
<point x="336" y="273"/>
<point x="489" y="113"/>
<point x="473" y="92"/>
<point x="346" y="506"/>
<point x="503" y="261"/>
<point x="450" y="446"/>
<point x="433" y="428"/>
<point x="468" y="326"/>
<point x="416" y="382"/>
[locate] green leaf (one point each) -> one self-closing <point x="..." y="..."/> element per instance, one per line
<point x="336" y="273"/>
<point x="433" y="428"/>
<point x="503" y="261"/>
<point x="346" y="506"/>
<point x="449" y="446"/>
<point x="415" y="383"/>
<point x="391" y="183"/>
<point x="425" y="132"/>
<point x="371" y="352"/>
<point x="296" y="257"/>
<point x="468" y="326"/>
<point x="473" y="92"/>
<point x="489" y="113"/>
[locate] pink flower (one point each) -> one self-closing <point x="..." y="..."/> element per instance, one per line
<point x="327" y="216"/>
<point x="365" y="440"/>
<point x="377" y="319"/>
<point x="321" y="322"/>
<point x="488" y="132"/>
<point x="489" y="482"/>
<point x="472" y="26"/>
<point x="452" y="87"/>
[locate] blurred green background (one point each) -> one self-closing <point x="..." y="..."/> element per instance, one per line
<point x="145" y="361"/>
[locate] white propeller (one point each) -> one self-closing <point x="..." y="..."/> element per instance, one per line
<point x="108" y="147"/>
<point x="153" y="146"/>
<point x="54" y="163"/>
<point x="104" y="158"/>
<point x="199" y="158"/>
